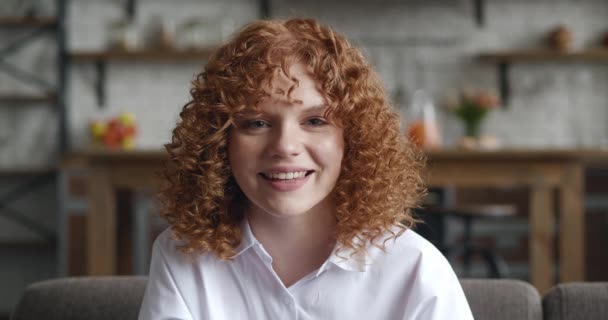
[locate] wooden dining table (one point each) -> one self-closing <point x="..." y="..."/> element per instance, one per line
<point x="544" y="173"/>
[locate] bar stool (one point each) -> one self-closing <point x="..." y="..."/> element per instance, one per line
<point x="433" y="229"/>
<point x="497" y="267"/>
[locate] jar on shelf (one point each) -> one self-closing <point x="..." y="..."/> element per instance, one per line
<point x="561" y="38"/>
<point x="120" y="35"/>
<point x="156" y="35"/>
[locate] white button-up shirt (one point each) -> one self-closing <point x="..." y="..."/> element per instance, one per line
<point x="410" y="280"/>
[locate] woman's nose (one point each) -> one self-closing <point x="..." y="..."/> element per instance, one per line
<point x="286" y="141"/>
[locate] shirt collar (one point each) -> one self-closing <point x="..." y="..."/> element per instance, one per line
<point x="346" y="259"/>
<point x="247" y="238"/>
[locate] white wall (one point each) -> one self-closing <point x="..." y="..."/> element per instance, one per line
<point x="414" y="44"/>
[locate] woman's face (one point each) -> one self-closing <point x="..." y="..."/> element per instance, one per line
<point x="287" y="158"/>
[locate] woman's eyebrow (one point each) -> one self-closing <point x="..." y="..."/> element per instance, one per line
<point x="315" y="108"/>
<point x="249" y="113"/>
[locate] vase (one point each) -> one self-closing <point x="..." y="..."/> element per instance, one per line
<point x="472" y="128"/>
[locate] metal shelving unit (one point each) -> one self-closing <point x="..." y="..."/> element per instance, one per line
<point x="27" y="29"/>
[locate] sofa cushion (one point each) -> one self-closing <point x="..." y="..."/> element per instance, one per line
<point x="577" y="300"/>
<point x="502" y="299"/>
<point x="91" y="298"/>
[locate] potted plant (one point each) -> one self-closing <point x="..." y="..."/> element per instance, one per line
<point x="471" y="107"/>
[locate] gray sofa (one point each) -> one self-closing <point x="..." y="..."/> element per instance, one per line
<point x="97" y="298"/>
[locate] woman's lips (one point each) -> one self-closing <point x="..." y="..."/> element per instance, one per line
<point x="287" y="184"/>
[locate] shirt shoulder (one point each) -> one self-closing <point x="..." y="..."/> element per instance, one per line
<point x="412" y="259"/>
<point x="430" y="286"/>
<point x="166" y="246"/>
<point x="408" y="247"/>
<point x="167" y="243"/>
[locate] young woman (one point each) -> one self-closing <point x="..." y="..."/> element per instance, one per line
<point x="289" y="189"/>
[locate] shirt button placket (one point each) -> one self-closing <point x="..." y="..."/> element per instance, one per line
<point x="290" y="305"/>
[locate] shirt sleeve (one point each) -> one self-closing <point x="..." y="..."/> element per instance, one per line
<point x="162" y="298"/>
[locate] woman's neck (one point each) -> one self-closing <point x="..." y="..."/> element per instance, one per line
<point x="298" y="244"/>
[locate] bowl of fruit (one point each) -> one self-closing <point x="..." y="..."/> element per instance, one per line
<point x="118" y="132"/>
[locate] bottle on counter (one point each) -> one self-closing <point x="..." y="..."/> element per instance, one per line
<point x="423" y="128"/>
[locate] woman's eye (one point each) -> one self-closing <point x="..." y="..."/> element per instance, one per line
<point x="256" y="124"/>
<point x="316" y="121"/>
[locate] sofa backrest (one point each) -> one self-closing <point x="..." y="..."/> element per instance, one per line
<point x="80" y="298"/>
<point x="502" y="299"/>
<point x="577" y="301"/>
<point x="119" y="297"/>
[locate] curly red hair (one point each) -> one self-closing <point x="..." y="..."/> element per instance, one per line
<point x="380" y="181"/>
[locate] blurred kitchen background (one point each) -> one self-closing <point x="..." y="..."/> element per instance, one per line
<point x="89" y="85"/>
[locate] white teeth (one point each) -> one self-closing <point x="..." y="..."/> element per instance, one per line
<point x="286" y="175"/>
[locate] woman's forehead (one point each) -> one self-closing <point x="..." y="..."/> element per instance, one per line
<point x="292" y="88"/>
<point x="295" y="83"/>
<point x="302" y="97"/>
<point x="294" y="76"/>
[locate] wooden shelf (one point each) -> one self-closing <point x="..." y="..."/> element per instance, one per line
<point x="26" y="99"/>
<point x="539" y="55"/>
<point x="147" y="55"/>
<point x="503" y="60"/>
<point x="27" y="21"/>
<point x="101" y="58"/>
